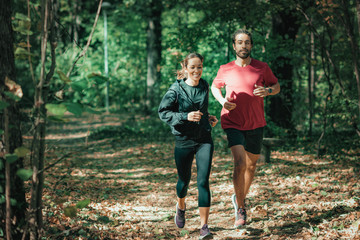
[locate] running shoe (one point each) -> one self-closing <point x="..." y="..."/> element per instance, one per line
<point x="205" y="232"/>
<point x="179" y="217"/>
<point x="233" y="199"/>
<point x="240" y="219"/>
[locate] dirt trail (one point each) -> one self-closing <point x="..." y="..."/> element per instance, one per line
<point x="131" y="187"/>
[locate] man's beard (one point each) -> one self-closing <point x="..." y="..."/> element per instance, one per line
<point x="243" y="55"/>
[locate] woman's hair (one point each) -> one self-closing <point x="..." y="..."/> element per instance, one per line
<point x="242" y="31"/>
<point x="181" y="73"/>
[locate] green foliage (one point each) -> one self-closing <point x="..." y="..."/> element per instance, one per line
<point x="104" y="219"/>
<point x="24" y="174"/>
<point x="83" y="204"/>
<point x="202" y="26"/>
<point x="21" y="151"/>
<point x="75" y="108"/>
<point x="70" y="211"/>
<point x="56" y="109"/>
<point x="3" y="105"/>
<point x="11" y="158"/>
<point x="146" y="129"/>
<point x="12" y="96"/>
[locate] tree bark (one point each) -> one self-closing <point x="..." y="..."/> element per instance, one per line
<point x="12" y="138"/>
<point x="311" y="82"/>
<point x="354" y="47"/>
<point x="153" y="53"/>
<point x="41" y="98"/>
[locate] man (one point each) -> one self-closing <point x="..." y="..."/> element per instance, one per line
<point x="247" y="81"/>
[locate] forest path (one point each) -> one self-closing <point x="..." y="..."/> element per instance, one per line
<point x="130" y="183"/>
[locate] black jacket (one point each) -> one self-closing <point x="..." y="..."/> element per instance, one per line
<point x="176" y="105"/>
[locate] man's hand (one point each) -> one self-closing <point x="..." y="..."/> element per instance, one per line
<point x="260" y="91"/>
<point x="194" y="116"/>
<point x="228" y="105"/>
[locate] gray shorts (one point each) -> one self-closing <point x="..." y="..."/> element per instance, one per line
<point x="250" y="139"/>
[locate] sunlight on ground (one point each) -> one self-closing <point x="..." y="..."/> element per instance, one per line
<point x="131" y="188"/>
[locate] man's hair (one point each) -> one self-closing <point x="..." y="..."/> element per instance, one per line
<point x="242" y="31"/>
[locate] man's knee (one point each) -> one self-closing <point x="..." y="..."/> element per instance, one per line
<point x="251" y="167"/>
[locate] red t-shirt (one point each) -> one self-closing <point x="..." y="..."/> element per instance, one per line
<point x="240" y="83"/>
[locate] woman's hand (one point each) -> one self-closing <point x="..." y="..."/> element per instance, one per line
<point x="194" y="116"/>
<point x="213" y="120"/>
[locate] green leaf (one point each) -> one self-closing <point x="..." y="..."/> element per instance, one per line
<point x="21" y="151"/>
<point x="74" y="108"/>
<point x="20" y="16"/>
<point x="11" y="158"/>
<point x="1" y="131"/>
<point x="184" y="233"/>
<point x="323" y="193"/>
<point x="13" y="202"/>
<point x="1" y="165"/>
<point x="83" y="204"/>
<point x="3" y="105"/>
<point x="104" y="219"/>
<point x="21" y="53"/>
<point x="99" y="79"/>
<point x="24" y="174"/>
<point x="56" y="119"/>
<point x="79" y="85"/>
<point x="12" y="96"/>
<point x="70" y="211"/>
<point x="92" y="111"/>
<point x="63" y="77"/>
<point x="56" y="109"/>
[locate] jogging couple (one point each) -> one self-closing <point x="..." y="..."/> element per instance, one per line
<point x="184" y="108"/>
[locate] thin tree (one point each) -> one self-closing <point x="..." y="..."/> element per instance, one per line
<point x="41" y="95"/>
<point x="345" y="19"/>
<point x="153" y="52"/>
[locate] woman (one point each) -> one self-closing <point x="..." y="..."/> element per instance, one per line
<point x="185" y="108"/>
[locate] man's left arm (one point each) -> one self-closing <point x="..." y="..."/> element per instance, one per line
<point x="261" y="91"/>
<point x="273" y="90"/>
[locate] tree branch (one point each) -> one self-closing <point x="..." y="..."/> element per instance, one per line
<point x="89" y="40"/>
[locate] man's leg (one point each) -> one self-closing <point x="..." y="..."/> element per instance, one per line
<point x="251" y="160"/>
<point x="244" y="171"/>
<point x="239" y="155"/>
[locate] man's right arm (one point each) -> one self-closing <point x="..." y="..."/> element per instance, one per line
<point x="226" y="103"/>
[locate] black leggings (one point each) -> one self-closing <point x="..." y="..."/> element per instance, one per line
<point x="183" y="159"/>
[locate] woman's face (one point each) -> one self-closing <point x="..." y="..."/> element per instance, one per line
<point x="194" y="69"/>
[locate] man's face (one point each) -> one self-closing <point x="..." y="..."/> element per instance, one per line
<point x="242" y="45"/>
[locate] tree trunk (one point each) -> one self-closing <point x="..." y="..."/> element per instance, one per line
<point x="281" y="106"/>
<point x="11" y="138"/>
<point x="355" y="50"/>
<point x="153" y="53"/>
<point x="41" y="98"/>
<point x="311" y="82"/>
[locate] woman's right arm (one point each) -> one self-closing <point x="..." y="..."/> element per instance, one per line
<point x="168" y="110"/>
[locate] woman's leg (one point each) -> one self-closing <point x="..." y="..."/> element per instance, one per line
<point x="203" y="163"/>
<point x="183" y="159"/>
